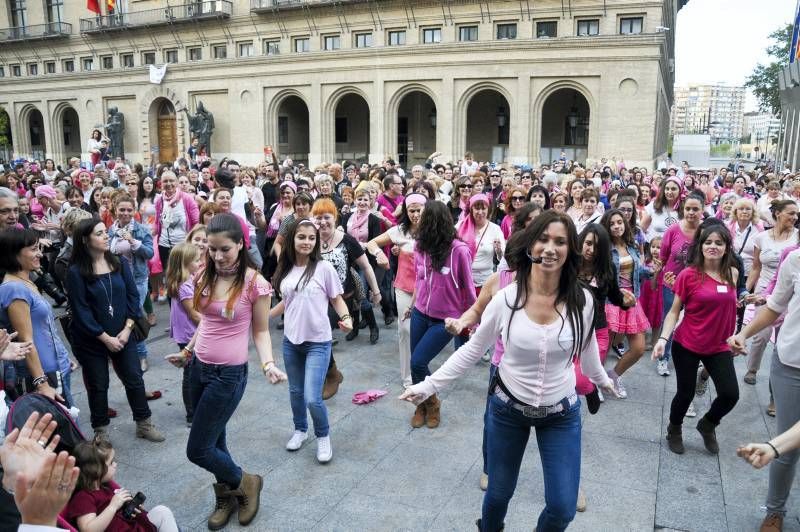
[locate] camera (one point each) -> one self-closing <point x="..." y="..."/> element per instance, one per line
<point x="131" y="505"/>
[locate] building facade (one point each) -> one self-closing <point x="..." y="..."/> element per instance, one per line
<point x="762" y="131"/>
<point x="322" y="80"/>
<point x="717" y="110"/>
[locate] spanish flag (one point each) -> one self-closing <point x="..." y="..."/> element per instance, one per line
<point x="93" y="5"/>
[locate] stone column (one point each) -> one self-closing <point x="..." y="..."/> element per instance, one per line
<point x="446" y="120"/>
<point x="377" y="123"/>
<point x="317" y="143"/>
<point x="520" y="116"/>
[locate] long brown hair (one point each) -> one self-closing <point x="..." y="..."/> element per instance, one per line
<point x="90" y="457"/>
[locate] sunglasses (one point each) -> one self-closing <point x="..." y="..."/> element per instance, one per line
<point x="517" y="198"/>
<point x="465" y="186"/>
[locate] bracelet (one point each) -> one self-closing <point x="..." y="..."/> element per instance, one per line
<point x="662" y="338"/>
<point x="265" y="365"/>
<point x="774" y="450"/>
<point x="345" y="317"/>
<point x="38" y="381"/>
<point x="129" y="325"/>
<point x="186" y="353"/>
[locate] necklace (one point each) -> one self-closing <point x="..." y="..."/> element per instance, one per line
<point x="327" y="244"/>
<point x="108" y="297"/>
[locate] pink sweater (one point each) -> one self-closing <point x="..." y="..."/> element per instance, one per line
<point x="447" y="292"/>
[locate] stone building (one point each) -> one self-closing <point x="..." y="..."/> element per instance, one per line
<point x="322" y="80"/>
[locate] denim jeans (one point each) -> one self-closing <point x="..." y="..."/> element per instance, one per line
<point x="492" y="371"/>
<point x="668" y="296"/>
<point x="559" y="439"/>
<point x="143" y="289"/>
<point x="216" y="392"/>
<point x="306" y="366"/>
<point x="428" y="338"/>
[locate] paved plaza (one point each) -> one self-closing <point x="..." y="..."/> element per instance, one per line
<point x="386" y="476"/>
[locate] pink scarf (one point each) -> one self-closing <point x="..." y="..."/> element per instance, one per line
<point x="466" y="231"/>
<point x="357" y="226"/>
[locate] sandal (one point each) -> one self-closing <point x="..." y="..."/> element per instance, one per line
<point x="152" y="396"/>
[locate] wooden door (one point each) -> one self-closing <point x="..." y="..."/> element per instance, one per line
<point x="167" y="139"/>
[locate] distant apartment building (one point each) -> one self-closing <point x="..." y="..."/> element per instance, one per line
<point x="758" y="127"/>
<point x="714" y="109"/>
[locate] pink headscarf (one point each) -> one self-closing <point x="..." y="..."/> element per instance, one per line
<point x="466" y="230"/>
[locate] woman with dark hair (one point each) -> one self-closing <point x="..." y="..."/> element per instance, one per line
<point x="662" y="212"/>
<point x="706" y="293"/>
<point x="443" y="288"/>
<point x="50" y="172"/>
<point x="24" y="310"/>
<point x="626" y="204"/>
<point x="539" y="195"/>
<point x="105" y="302"/>
<point x="146" y="190"/>
<point x="524" y="216"/>
<point x="74" y="197"/>
<point x="96" y="201"/>
<point x="95" y="146"/>
<point x="233" y="300"/>
<point x="459" y="205"/>
<point x="301" y="205"/>
<point x="545" y="321"/>
<point x="574" y="190"/>
<point x="402" y="237"/>
<point x="308" y="284"/>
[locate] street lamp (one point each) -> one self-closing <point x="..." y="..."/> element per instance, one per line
<point x="501" y="116"/>
<point x="432" y="118"/>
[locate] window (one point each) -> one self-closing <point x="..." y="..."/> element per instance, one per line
<point x="170" y="56"/>
<point x="283" y="130"/>
<point x="87" y="63"/>
<point x="50" y="67"/>
<point x="149" y="58"/>
<point x="272" y="47"/>
<point x="68" y="65"/>
<point x="195" y="54"/>
<point x="18" y="13"/>
<point x="630" y="25"/>
<point x="341" y="129"/>
<point x="432" y="35"/>
<point x="363" y="40"/>
<point x="546" y="29"/>
<point x="397" y="38"/>
<point x="33" y="69"/>
<point x="127" y="60"/>
<point x="331" y="42"/>
<point x="2" y="72"/>
<point x="468" y="33"/>
<point x="219" y="51"/>
<point x="589" y="27"/>
<point x="16" y="71"/>
<point x="107" y="62"/>
<point x="55" y="11"/>
<point x="246" y="49"/>
<point x="507" y="31"/>
<point x="302" y="44"/>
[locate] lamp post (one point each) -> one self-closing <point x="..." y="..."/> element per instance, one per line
<point x="501" y="117"/>
<point x="432" y="118"/>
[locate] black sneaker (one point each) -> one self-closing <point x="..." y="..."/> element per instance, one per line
<point x="593" y="401"/>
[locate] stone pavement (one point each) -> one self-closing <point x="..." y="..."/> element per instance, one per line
<point x="386" y="476"/>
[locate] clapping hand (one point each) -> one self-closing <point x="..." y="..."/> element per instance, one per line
<point x="40" y="498"/>
<point x="24" y="450"/>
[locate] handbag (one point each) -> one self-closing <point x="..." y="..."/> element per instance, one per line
<point x="141" y="328"/>
<point x="360" y="291"/>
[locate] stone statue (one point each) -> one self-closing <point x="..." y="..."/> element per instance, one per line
<point x="201" y="126"/>
<point x="116" y="131"/>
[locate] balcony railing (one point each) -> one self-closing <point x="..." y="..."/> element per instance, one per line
<point x="52" y="30"/>
<point x="257" y="6"/>
<point x="175" y="14"/>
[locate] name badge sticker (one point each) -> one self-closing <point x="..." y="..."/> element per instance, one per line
<point x="722" y="289"/>
<point x="445" y="270"/>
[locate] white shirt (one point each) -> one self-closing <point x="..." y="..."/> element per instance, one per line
<point x="536" y="368"/>
<point x="483" y="263"/>
<point x="769" y="254"/>
<point x="659" y="221"/>
<point x="786" y="298"/>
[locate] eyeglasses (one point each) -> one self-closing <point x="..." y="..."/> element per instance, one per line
<point x="495" y="175"/>
<point x="517" y="198"/>
<point x="626" y="209"/>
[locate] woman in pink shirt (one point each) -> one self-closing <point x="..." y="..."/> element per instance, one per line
<point x="233" y="300"/>
<point x="706" y="292"/>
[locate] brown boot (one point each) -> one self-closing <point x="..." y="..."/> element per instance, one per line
<point x="706" y="429"/>
<point x="224" y="507"/>
<point x="146" y="430"/>
<point x="772" y="523"/>
<point x="432" y="417"/>
<point x="418" y="419"/>
<point x="248" y="494"/>
<point x="333" y="379"/>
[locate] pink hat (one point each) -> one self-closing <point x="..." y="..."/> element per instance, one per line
<point x="45" y="191"/>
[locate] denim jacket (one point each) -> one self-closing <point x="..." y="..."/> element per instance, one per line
<point x="640" y="271"/>
<point x="140" y="253"/>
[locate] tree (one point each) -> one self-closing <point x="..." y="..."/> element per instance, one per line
<point x="4" y="137"/>
<point x="764" y="79"/>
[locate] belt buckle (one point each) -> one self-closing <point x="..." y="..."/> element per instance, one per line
<point x="534" y="411"/>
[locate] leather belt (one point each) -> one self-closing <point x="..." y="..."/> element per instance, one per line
<point x="537" y="411"/>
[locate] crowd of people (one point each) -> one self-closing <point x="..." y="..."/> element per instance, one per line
<point x="541" y="272"/>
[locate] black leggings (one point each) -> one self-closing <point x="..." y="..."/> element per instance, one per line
<point x="719" y="366"/>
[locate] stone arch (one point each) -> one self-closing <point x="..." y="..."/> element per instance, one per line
<point x="329" y="122"/>
<point x="392" y="114"/>
<point x="538" y="107"/>
<point x="68" y="138"/>
<point x="7" y="136"/>
<point x="146" y="123"/>
<point x="31" y="132"/>
<point x="462" y="112"/>
<point x="298" y="126"/>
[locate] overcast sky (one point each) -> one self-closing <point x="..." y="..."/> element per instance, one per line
<point x="720" y="41"/>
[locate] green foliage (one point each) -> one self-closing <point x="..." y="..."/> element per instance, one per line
<point x="721" y="149"/>
<point x="4" y="128"/>
<point x="763" y="81"/>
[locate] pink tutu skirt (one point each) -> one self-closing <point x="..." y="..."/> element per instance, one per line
<point x="630" y="321"/>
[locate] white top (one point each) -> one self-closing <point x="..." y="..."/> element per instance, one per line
<point x="403" y="240"/>
<point x="536" y="368"/>
<point x="659" y="221"/>
<point x="483" y="263"/>
<point x="786" y="298"/>
<point x="239" y="198"/>
<point x="770" y="256"/>
<point x="747" y="246"/>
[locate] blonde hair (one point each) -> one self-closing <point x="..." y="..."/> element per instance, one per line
<point x="71" y="219"/>
<point x="180" y="258"/>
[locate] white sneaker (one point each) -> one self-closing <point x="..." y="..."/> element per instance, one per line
<point x="298" y="438"/>
<point x="691" y="412"/>
<point x="663" y="368"/>
<point x="324" y="449"/>
<point x="601" y="396"/>
<point x="620" y="388"/>
<point x="701" y="385"/>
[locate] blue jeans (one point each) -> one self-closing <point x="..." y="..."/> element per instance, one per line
<point x="668" y="296"/>
<point x="492" y="371"/>
<point x="306" y="366"/>
<point x="216" y="392"/>
<point x="142" y="288"/>
<point x="559" y="439"/>
<point x="428" y="338"/>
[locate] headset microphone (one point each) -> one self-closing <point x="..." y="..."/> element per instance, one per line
<point x="535" y="260"/>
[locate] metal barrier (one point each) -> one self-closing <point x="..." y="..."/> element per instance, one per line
<point x="173" y="14"/>
<point x="50" y="30"/>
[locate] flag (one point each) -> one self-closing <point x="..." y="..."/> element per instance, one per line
<point x="93" y="5"/>
<point x="111" y="4"/>
<point x="157" y="73"/>
<point x="794" y="53"/>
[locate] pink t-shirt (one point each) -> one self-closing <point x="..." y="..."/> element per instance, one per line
<point x="306" y="313"/>
<point x="709" y="316"/>
<point x="222" y="339"/>
<point x="674" y="249"/>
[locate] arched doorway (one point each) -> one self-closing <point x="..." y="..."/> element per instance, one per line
<point x="293" y="129"/>
<point x="164" y="146"/>
<point x="70" y="134"/>
<point x="416" y="128"/>
<point x="37" y="137"/>
<point x="351" y="129"/>
<point x="565" y="126"/>
<point x="6" y="142"/>
<point x="488" y="126"/>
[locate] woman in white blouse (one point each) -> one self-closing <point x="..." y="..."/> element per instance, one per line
<point x="544" y="320"/>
